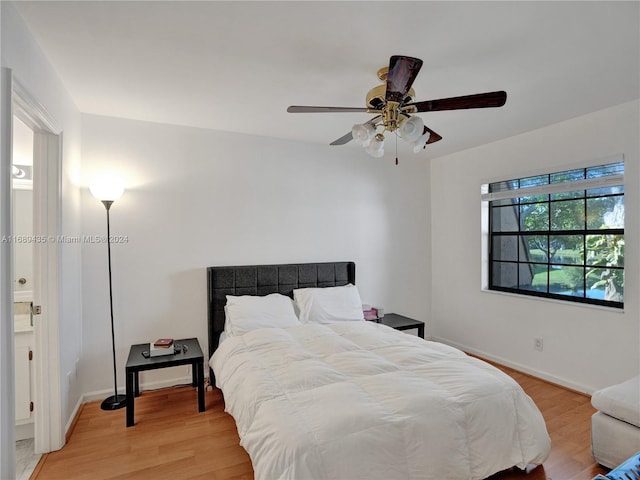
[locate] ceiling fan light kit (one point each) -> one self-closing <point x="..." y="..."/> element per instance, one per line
<point x="363" y="133"/>
<point x="411" y="129"/>
<point x="376" y="146"/>
<point x="421" y="142"/>
<point x="393" y="102"/>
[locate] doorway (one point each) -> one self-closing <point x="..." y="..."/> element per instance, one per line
<point x="23" y="282"/>
<point x="48" y="428"/>
<point x="48" y="433"/>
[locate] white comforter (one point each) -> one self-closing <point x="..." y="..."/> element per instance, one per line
<point x="358" y="400"/>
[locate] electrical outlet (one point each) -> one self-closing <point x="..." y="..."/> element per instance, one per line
<point x="538" y="344"/>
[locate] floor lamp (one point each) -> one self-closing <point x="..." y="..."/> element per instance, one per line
<point x="108" y="190"/>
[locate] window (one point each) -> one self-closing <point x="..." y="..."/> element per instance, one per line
<point x="559" y="235"/>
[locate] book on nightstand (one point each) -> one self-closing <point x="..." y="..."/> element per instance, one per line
<point x="163" y="342"/>
<point x="155" y="351"/>
<point x="369" y="314"/>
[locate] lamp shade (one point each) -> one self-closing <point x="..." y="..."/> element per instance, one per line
<point x="376" y="147"/>
<point x="411" y="129"/>
<point x="363" y="133"/>
<point x="421" y="142"/>
<point x="107" y="187"/>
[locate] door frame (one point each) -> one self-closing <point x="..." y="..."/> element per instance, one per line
<point x="7" y="361"/>
<point x="48" y="427"/>
<point x="47" y="180"/>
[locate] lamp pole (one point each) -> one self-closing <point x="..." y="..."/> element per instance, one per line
<point x="116" y="401"/>
<point x="107" y="190"/>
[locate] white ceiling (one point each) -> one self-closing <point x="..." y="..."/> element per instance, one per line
<point x="236" y="66"/>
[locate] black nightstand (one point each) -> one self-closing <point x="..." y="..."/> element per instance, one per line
<point x="137" y="363"/>
<point x="400" y="322"/>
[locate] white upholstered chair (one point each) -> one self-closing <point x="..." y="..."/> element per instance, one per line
<point x="615" y="427"/>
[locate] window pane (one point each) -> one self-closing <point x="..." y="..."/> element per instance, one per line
<point x="606" y="170"/>
<point x="505" y="274"/>
<point x="568" y="176"/>
<point x="605" y="250"/>
<point x="534" y="198"/>
<point x="534" y="217"/>
<point x="534" y="181"/>
<point x="505" y="247"/>
<point x="568" y="195"/>
<point x="533" y="277"/>
<point x="504" y="219"/>
<point x="567" y="215"/>
<point x="600" y="192"/>
<point x="565" y="280"/>
<point x="597" y="292"/>
<point x="505" y="202"/>
<point x="605" y="212"/>
<point x="605" y="284"/>
<point x="503" y="186"/>
<point x="566" y="249"/>
<point x="534" y="248"/>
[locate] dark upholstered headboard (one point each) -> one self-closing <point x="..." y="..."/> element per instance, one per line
<point x="266" y="279"/>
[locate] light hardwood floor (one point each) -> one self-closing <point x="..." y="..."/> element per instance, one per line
<point x="171" y="440"/>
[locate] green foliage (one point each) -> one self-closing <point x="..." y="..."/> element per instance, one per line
<point x="574" y="278"/>
<point x="604" y="251"/>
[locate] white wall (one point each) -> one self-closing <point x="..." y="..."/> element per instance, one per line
<point x="585" y="347"/>
<point x="197" y="198"/>
<point x="21" y="53"/>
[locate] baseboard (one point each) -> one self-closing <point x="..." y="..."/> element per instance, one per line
<point x="24" y="431"/>
<point x="71" y="424"/>
<point x="563" y="382"/>
<point x="102" y="394"/>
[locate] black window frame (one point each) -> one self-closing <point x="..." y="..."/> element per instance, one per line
<point x="514" y="186"/>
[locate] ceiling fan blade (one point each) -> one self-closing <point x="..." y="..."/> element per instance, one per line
<point x="402" y="73"/>
<point x="434" y="137"/>
<point x="348" y="137"/>
<point x="306" y="109"/>
<point x="342" y="140"/>
<point x="479" y="100"/>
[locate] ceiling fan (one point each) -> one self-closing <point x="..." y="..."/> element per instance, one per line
<point x="393" y="102"/>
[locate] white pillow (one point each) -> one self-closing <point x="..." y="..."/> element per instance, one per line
<point x="330" y="304"/>
<point x="247" y="312"/>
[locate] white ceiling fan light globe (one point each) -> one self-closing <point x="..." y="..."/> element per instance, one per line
<point x="363" y="133"/>
<point x="411" y="129"/>
<point x="421" y="142"/>
<point x="376" y="147"/>
<point x="376" y="153"/>
<point x="107" y="188"/>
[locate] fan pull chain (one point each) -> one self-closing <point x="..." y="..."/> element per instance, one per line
<point x="396" y="148"/>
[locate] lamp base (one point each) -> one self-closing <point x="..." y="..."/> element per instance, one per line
<point x="114" y="402"/>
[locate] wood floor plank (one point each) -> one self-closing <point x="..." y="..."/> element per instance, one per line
<point x="172" y="440"/>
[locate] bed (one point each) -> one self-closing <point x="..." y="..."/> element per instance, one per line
<point x="356" y="399"/>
